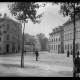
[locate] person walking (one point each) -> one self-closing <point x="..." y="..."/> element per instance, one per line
<point x="37" y="55"/>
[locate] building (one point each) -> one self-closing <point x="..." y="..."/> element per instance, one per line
<point x="10" y="35"/>
<point x="68" y="34"/>
<point x="56" y="40"/>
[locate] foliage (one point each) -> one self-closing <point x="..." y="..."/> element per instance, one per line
<point x="67" y="8"/>
<point x="26" y="10"/>
<point x="43" y="41"/>
<point x="28" y="39"/>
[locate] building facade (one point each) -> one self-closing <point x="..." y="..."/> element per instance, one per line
<point x="10" y="35"/>
<point x="68" y="35"/>
<point x="56" y="40"/>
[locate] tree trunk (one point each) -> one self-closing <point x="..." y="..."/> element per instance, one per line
<point x="22" y="55"/>
<point x="74" y="73"/>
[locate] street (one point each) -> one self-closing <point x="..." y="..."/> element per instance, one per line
<point x="49" y="65"/>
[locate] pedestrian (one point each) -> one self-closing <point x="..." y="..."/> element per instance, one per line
<point x="68" y="53"/>
<point x="37" y="55"/>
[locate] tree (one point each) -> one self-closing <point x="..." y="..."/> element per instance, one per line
<point x="43" y="41"/>
<point x="71" y="9"/>
<point x="23" y="11"/>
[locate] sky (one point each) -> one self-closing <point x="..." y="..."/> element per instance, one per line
<point x="50" y="19"/>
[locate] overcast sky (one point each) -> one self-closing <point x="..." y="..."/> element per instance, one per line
<point x="50" y="19"/>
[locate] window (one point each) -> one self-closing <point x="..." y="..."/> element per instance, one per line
<point x="0" y="38"/>
<point x="0" y="48"/>
<point x="59" y="38"/>
<point x="66" y="37"/>
<point x="54" y="47"/>
<point x="7" y="36"/>
<point x="71" y="36"/>
<point x="54" y="39"/>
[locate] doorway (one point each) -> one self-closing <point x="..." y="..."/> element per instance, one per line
<point x="7" y="48"/>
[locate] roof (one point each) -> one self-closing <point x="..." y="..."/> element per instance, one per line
<point x="59" y="29"/>
<point x="70" y="20"/>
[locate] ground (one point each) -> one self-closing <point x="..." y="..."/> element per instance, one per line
<point x="49" y="65"/>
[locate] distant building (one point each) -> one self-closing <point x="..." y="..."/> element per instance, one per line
<point x="10" y="35"/>
<point x="56" y="40"/>
<point x="68" y="34"/>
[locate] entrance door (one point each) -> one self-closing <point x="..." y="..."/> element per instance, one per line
<point x="7" y="48"/>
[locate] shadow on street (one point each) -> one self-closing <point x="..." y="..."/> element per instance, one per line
<point x="18" y="66"/>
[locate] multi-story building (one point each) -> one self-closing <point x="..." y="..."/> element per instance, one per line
<point x="10" y="35"/>
<point x="68" y="34"/>
<point x="56" y="40"/>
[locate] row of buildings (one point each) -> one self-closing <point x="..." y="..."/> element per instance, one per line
<point x="10" y="35"/>
<point x="61" y="38"/>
